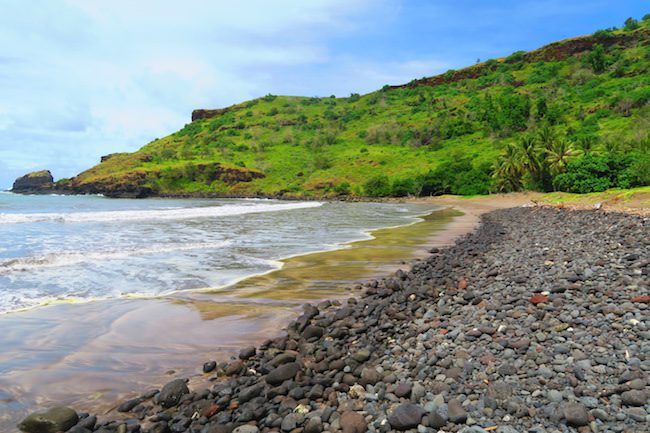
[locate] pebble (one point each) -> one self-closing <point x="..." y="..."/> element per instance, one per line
<point x="460" y="327"/>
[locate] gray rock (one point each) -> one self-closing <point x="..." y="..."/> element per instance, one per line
<point x="634" y="397"/>
<point x="406" y="416"/>
<point x="247" y="352"/>
<point x="576" y="414"/>
<point x="436" y="420"/>
<point x="289" y="422"/>
<point x="554" y="395"/>
<point x="209" y="366"/>
<point x="312" y="331"/>
<point x="55" y="420"/>
<point x="417" y="392"/>
<point x="456" y="412"/>
<point x="250" y="392"/>
<point x="171" y="393"/>
<point x="128" y="405"/>
<point x="282" y="373"/>
<point x="246" y="429"/>
<point x="314" y="425"/>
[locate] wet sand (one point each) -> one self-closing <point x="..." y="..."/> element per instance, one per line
<point x="92" y="355"/>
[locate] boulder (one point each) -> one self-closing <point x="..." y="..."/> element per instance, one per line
<point x="171" y="393"/>
<point x="57" y="419"/>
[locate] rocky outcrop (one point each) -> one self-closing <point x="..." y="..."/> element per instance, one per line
<point x="34" y="182"/>
<point x="208" y="114"/>
<point x="146" y="183"/>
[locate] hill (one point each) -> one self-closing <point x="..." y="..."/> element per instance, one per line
<point x="572" y="115"/>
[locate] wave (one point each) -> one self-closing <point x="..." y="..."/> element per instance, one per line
<point x="66" y="259"/>
<point x="158" y="214"/>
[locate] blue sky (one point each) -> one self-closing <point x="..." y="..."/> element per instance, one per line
<point x="83" y="78"/>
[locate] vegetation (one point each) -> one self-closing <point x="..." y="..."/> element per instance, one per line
<point x="572" y="116"/>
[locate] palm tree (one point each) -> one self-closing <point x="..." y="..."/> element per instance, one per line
<point x="588" y="145"/>
<point x="508" y="169"/>
<point x="530" y="155"/>
<point x="559" y="154"/>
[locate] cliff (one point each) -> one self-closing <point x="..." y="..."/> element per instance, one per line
<point x="34" y="182"/>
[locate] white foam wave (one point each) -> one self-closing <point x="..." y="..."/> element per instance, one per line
<point x="159" y="214"/>
<point x="71" y="258"/>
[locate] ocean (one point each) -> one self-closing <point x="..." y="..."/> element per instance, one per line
<point x="71" y="249"/>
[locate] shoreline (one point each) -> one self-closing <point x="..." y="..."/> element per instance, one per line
<point x="200" y="306"/>
<point x="459" y="318"/>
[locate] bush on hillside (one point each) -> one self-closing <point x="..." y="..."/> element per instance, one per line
<point x="404" y="187"/>
<point x="457" y="177"/>
<point x="593" y="173"/>
<point x="378" y="186"/>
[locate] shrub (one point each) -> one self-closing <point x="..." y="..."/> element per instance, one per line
<point x="517" y="56"/>
<point x="631" y="24"/>
<point x="593" y="173"/>
<point x="597" y="58"/>
<point x="404" y="187"/>
<point x="478" y="180"/>
<point x="342" y="188"/>
<point x="378" y="186"/>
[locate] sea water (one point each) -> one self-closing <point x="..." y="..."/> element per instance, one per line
<point x="56" y="249"/>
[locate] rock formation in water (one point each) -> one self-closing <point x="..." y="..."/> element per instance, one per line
<point x="34" y="182"/>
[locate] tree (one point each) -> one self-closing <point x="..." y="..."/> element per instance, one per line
<point x="588" y="144"/>
<point x="559" y="154"/>
<point x="508" y="170"/>
<point x="530" y="156"/>
<point x="597" y="58"/>
<point x="378" y="186"/>
<point x="631" y="24"/>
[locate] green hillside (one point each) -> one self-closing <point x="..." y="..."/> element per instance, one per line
<point x="554" y="118"/>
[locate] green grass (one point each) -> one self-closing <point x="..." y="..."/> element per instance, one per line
<point x="314" y="147"/>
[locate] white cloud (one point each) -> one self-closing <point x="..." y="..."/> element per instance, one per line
<point x="82" y="78"/>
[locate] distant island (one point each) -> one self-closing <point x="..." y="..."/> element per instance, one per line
<point x="570" y="116"/>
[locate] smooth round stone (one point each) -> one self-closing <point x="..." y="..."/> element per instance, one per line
<point x="554" y="395"/>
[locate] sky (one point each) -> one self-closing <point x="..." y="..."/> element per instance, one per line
<point x="83" y="78"/>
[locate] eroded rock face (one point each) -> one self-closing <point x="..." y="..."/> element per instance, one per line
<point x="35" y="181"/>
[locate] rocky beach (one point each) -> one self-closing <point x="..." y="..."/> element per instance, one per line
<point x="537" y="321"/>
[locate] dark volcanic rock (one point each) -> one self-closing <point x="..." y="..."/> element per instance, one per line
<point x="406" y="416"/>
<point x="282" y="373"/>
<point x="171" y="393"/>
<point x="57" y="419"/>
<point x="35" y="182"/>
<point x="247" y="352"/>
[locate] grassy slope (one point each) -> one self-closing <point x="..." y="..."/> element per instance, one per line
<point x="309" y="146"/>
